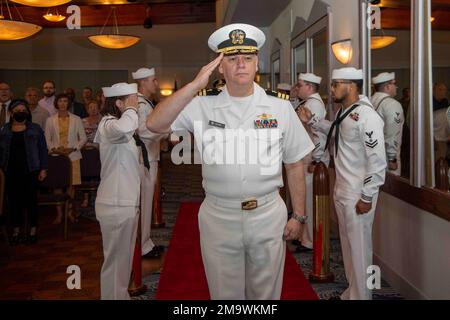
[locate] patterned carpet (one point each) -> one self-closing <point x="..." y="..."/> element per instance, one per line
<point x="183" y="183"/>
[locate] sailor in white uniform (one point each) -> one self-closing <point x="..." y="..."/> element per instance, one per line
<point x="117" y="200"/>
<point x="360" y="161"/>
<point x="391" y="112"/>
<point x="148" y="86"/>
<point x="244" y="132"/>
<point x="308" y="93"/>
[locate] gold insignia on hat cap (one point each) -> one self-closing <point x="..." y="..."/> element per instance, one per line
<point x="237" y="38"/>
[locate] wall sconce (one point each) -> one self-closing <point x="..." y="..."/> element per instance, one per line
<point x="166" y="92"/>
<point x="343" y="50"/>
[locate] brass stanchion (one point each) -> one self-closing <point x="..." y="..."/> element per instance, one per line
<point x="321" y="230"/>
<point x="157" y="219"/>
<point x="136" y="288"/>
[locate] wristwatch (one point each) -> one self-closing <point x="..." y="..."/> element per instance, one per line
<point x="301" y="219"/>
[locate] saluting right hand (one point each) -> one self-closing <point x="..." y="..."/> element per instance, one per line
<point x="202" y="78"/>
<point x="304" y="114"/>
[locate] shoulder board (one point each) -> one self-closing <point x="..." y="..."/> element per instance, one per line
<point x="277" y="94"/>
<point x="208" y="92"/>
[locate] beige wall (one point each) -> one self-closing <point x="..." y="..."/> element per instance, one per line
<point x="412" y="247"/>
<point x="344" y="24"/>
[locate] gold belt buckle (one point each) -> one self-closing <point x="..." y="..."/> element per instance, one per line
<point x="249" y="204"/>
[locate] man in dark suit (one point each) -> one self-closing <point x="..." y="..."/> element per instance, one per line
<point x="75" y="107"/>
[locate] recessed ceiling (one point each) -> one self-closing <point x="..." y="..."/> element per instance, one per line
<point x="95" y="12"/>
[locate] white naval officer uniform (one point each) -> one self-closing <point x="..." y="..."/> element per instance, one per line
<point x="243" y="251"/>
<point x="117" y="201"/>
<point x="315" y="104"/>
<point x="391" y="112"/>
<point x="148" y="177"/>
<point x="360" y="172"/>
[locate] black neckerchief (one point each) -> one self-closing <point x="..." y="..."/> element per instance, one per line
<point x="336" y="125"/>
<point x="141" y="144"/>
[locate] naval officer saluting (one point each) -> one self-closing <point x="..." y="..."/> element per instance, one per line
<point x="117" y="200"/>
<point x="243" y="220"/>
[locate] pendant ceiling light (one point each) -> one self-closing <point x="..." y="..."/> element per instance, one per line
<point x="42" y="3"/>
<point x="379" y="40"/>
<point x="113" y="40"/>
<point x="11" y="29"/>
<point x="53" y="16"/>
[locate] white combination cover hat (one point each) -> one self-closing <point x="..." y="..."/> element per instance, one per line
<point x="347" y="74"/>
<point x="120" y="89"/>
<point x="143" y="73"/>
<point x="284" y="86"/>
<point x="310" y="77"/>
<point x="383" y="77"/>
<point x="237" y="38"/>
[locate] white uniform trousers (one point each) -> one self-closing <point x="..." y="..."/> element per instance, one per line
<point x="118" y="226"/>
<point x="148" y="181"/>
<point x="355" y="233"/>
<point x="243" y="251"/>
<point x="306" y="231"/>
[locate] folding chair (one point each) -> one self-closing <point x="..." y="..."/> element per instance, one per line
<point x="59" y="176"/>
<point x="90" y="167"/>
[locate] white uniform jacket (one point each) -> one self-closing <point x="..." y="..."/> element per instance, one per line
<point x="266" y="132"/>
<point x="151" y="140"/>
<point x="391" y="112"/>
<point x="361" y="160"/>
<point x="315" y="104"/>
<point x="119" y="155"/>
<point x="76" y="136"/>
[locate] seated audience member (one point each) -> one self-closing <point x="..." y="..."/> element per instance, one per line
<point x="23" y="158"/>
<point x="65" y="134"/>
<point x="39" y="115"/>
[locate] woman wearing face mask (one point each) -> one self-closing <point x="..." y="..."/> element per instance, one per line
<point x="117" y="200"/>
<point x="23" y="158"/>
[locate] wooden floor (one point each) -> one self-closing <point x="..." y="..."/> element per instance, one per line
<point x="39" y="271"/>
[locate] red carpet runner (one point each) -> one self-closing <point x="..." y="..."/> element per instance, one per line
<point x="183" y="276"/>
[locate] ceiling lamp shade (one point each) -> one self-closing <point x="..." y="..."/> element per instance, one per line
<point x="11" y="29"/>
<point x="42" y="3"/>
<point x="53" y="17"/>
<point x="16" y="30"/>
<point x="379" y="42"/>
<point x="113" y="40"/>
<point x="343" y="50"/>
